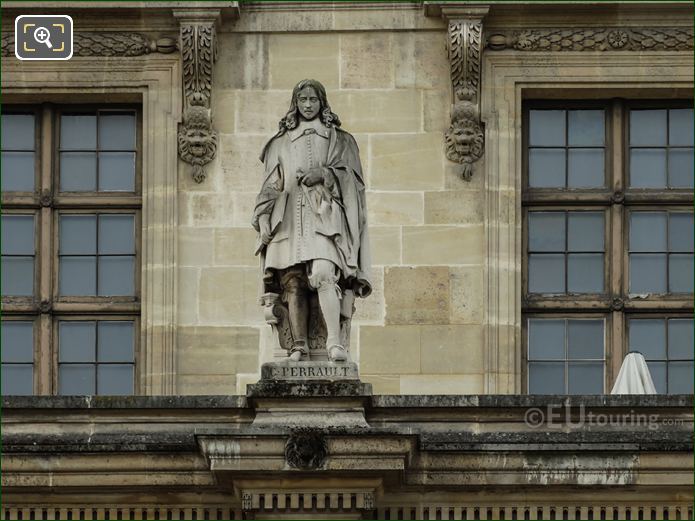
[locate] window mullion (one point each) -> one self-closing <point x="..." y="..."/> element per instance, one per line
<point x="43" y="357"/>
<point x="615" y="347"/>
<point x="43" y="354"/>
<point x="617" y="144"/>
<point x="45" y="251"/>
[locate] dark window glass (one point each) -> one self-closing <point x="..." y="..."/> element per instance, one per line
<point x="78" y="132"/>
<point x="18" y="253"/>
<point x="566" y="356"/>
<point x="78" y="172"/>
<point x="98" y="152"/>
<point x="667" y="346"/>
<point x="96" y="357"/>
<point x="17" y="350"/>
<point x="661" y="148"/>
<point x="661" y="252"/>
<point x="97" y="254"/>
<point x="566" y="148"/>
<point x="18" y="152"/>
<point x="566" y="252"/>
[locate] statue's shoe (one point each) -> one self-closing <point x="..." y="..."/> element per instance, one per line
<point x="295" y="356"/>
<point x="337" y="353"/>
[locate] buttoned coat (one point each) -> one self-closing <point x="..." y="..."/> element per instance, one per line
<point x="325" y="221"/>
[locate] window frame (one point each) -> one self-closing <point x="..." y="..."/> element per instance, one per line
<point x="657" y="316"/>
<point x="617" y="200"/>
<point x="80" y="317"/>
<point x="118" y="303"/>
<point x="45" y="307"/>
<point x="27" y="198"/>
<point x="586" y="315"/>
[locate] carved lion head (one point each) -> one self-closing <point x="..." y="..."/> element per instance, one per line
<point x="197" y="140"/>
<point x="464" y="141"/>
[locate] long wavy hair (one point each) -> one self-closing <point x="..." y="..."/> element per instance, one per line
<point x="327" y="117"/>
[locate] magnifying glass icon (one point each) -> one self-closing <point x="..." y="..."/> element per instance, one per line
<point x="43" y="35"/>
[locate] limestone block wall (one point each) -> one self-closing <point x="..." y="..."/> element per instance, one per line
<point x="387" y="77"/>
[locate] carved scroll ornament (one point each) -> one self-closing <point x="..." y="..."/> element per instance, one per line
<point x="107" y="44"/>
<point x="464" y="138"/>
<point x="595" y="39"/>
<point x="196" y="138"/>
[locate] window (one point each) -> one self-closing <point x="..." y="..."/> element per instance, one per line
<point x="70" y="257"/>
<point x="608" y="236"/>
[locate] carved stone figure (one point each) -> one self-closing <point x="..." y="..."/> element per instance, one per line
<point x="306" y="449"/>
<point x="310" y="216"/>
<point x="464" y="139"/>
<point x="197" y="139"/>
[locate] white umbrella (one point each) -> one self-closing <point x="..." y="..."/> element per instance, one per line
<point x="634" y="376"/>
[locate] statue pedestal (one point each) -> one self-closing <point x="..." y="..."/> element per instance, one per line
<point x="324" y="395"/>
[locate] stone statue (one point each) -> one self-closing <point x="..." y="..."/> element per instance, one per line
<point x="310" y="216"/>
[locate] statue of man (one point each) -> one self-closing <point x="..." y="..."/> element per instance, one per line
<point x="310" y="215"/>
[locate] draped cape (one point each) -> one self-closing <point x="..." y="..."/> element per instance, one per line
<point x="344" y="162"/>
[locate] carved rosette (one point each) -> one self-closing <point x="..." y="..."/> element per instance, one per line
<point x="197" y="139"/>
<point x="464" y="139"/>
<point x="306" y="449"/>
<point x="595" y="39"/>
<point x="108" y="44"/>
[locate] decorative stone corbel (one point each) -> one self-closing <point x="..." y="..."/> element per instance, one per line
<point x="197" y="138"/>
<point x="465" y="139"/>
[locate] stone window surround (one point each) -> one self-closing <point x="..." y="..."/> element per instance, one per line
<point x="509" y="78"/>
<point x="45" y="308"/>
<point x="154" y="81"/>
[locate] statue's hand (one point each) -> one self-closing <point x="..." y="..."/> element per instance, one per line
<point x="266" y="234"/>
<point x="313" y="177"/>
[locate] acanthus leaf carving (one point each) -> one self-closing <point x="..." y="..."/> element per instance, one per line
<point x="198" y="53"/>
<point x="465" y="139"/>
<point x="197" y="138"/>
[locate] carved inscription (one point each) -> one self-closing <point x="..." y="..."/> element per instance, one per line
<point x="310" y="372"/>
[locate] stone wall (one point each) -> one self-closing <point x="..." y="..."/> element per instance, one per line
<point x="421" y="330"/>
